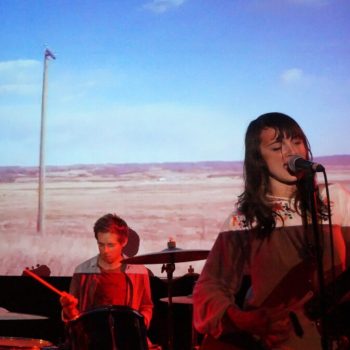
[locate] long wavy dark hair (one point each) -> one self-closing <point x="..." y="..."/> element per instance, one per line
<point x="254" y="203"/>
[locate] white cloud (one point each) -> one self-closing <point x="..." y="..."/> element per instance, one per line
<point x="20" y="77"/>
<point x="292" y="76"/>
<point x="20" y="89"/>
<point x="10" y="66"/>
<point x="161" y="6"/>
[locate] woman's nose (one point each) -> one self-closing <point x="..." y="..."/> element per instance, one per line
<point x="289" y="149"/>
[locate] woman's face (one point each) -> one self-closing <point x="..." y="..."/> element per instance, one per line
<point x="276" y="150"/>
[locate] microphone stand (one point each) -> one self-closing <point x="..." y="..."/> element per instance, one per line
<point x="312" y="193"/>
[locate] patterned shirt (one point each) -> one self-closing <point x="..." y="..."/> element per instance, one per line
<point x="278" y="266"/>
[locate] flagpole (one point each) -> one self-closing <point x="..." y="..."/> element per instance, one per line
<point x="41" y="198"/>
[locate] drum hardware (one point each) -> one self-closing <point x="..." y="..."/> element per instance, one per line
<point x="168" y="257"/>
<point x="40" y="270"/>
<point x="14" y="316"/>
<point x="182" y="299"/>
<point x="186" y="300"/>
<point x="13" y="343"/>
<point x="110" y="327"/>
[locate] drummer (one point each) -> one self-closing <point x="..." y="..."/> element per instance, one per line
<point x="104" y="279"/>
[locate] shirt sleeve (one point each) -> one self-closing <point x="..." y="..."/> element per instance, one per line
<point x="75" y="283"/>
<point x="218" y="283"/>
<point x="146" y="306"/>
<point x="141" y="298"/>
<point x="340" y="206"/>
<point x="72" y="290"/>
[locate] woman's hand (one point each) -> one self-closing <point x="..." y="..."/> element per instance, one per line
<point x="272" y="325"/>
<point x="69" y="305"/>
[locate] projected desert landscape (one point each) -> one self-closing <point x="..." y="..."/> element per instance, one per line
<point x="185" y="201"/>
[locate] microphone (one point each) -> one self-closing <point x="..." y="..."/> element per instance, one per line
<point x="297" y="163"/>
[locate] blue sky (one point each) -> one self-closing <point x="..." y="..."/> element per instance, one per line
<point x="169" y="80"/>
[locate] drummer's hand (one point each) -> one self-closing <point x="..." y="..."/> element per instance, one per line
<point x="69" y="305"/>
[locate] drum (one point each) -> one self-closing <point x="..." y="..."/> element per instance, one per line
<point x="110" y="327"/>
<point x="7" y="343"/>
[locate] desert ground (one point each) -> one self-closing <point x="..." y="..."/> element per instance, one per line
<point x="186" y="203"/>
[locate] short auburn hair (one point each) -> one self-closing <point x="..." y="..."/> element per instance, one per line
<point x="112" y="223"/>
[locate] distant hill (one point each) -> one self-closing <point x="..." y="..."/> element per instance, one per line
<point x="341" y="159"/>
<point x="11" y="173"/>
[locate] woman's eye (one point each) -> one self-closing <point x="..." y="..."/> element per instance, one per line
<point x="297" y="141"/>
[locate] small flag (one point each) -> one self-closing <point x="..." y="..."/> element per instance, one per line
<point x="48" y="53"/>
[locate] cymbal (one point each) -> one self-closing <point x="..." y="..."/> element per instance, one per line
<point x="14" y="316"/>
<point x="169" y="256"/>
<point x="23" y="343"/>
<point x="183" y="299"/>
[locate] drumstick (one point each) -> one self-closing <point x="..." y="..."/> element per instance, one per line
<point x="39" y="279"/>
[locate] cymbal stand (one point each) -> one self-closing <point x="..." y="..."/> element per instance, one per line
<point x="170" y="268"/>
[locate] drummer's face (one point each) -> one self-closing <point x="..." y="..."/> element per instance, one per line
<point x="110" y="246"/>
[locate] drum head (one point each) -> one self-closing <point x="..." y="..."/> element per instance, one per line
<point x="108" y="327"/>
<point x="23" y="343"/>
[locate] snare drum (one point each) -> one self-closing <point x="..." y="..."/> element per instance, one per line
<point x="108" y="328"/>
<point x="7" y="343"/>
